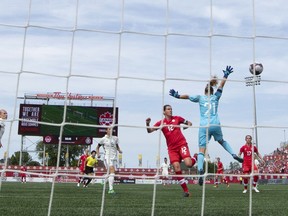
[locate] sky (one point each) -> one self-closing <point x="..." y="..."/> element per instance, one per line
<point x="135" y="51"/>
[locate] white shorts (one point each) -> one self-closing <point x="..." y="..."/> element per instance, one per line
<point x="165" y="173"/>
<point x="110" y="162"/>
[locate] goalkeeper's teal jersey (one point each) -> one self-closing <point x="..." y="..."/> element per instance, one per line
<point x="208" y="107"/>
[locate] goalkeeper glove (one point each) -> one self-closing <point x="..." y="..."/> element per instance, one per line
<point x="228" y="71"/>
<point x="174" y="93"/>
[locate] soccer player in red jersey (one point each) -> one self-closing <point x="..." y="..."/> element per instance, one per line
<point x="220" y="170"/>
<point x="248" y="163"/>
<point x="178" y="149"/>
<point x="23" y="175"/>
<point x="81" y="165"/>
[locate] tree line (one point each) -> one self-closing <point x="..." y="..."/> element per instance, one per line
<point x="50" y="156"/>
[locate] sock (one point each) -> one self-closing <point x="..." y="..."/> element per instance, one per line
<point x="111" y="180"/>
<point x="227" y="147"/>
<point x="200" y="161"/>
<point x="80" y="179"/>
<point x="245" y="180"/>
<point x="182" y="181"/>
<point x="88" y="181"/>
<point x="194" y="160"/>
<point x="255" y="180"/>
<point x="226" y="182"/>
<point x="84" y="180"/>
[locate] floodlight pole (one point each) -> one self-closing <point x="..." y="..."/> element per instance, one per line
<point x="253" y="81"/>
<point x="255" y="117"/>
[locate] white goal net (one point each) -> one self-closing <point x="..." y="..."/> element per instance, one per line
<point x="135" y="51"/>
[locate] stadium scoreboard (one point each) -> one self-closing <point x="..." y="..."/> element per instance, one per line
<point x="46" y="120"/>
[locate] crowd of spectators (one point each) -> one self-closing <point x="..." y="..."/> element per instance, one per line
<point x="276" y="162"/>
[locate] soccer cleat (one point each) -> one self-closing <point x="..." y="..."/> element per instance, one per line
<point x="256" y="190"/>
<point x="186" y="194"/>
<point x="228" y="186"/>
<point x="200" y="181"/>
<point x="216" y="186"/>
<point x="111" y="192"/>
<point x="244" y="191"/>
<point x="78" y="185"/>
<point x="240" y="160"/>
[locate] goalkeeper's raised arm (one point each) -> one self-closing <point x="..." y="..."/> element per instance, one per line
<point x="226" y="72"/>
<point x="175" y="94"/>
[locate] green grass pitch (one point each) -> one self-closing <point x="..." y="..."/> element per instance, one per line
<point x="33" y="199"/>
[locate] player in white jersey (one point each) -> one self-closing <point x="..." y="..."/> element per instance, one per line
<point x="165" y="173"/>
<point x="110" y="145"/>
<point x="3" y="117"/>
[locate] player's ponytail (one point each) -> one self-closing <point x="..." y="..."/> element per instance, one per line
<point x="212" y="83"/>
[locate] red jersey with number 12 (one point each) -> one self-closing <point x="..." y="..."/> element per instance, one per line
<point x="172" y="131"/>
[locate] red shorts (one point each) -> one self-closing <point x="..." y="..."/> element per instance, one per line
<point x="247" y="169"/>
<point x="220" y="172"/>
<point x="179" y="154"/>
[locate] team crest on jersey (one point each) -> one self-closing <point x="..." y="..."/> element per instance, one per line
<point x="106" y="119"/>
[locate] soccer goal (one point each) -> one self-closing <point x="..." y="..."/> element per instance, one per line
<point x="135" y="51"/>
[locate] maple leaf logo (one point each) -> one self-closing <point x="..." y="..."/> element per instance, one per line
<point x="106" y="119"/>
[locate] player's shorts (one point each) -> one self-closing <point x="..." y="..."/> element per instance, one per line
<point x="179" y="154"/>
<point x="247" y="169"/>
<point x="219" y="172"/>
<point x="88" y="170"/>
<point x="214" y="131"/>
<point x="165" y="173"/>
<point x="110" y="162"/>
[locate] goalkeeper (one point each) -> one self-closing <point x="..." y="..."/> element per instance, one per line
<point x="209" y="119"/>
